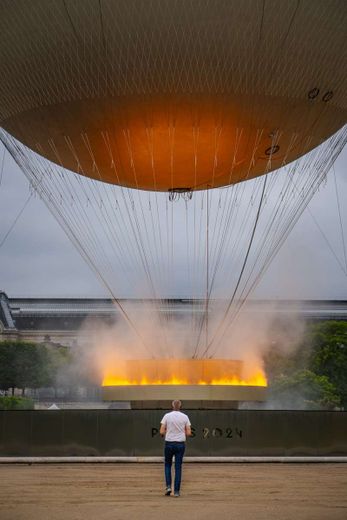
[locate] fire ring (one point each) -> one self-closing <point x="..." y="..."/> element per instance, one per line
<point x="190" y="380"/>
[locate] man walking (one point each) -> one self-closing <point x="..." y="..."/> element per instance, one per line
<point x="176" y="427"/>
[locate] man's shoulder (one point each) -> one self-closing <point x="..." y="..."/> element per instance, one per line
<point x="182" y="415"/>
<point x="170" y="414"/>
<point x="175" y="413"/>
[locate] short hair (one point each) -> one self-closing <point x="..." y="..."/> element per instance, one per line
<point x="176" y="404"/>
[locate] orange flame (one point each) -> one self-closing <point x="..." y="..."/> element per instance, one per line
<point x="181" y="372"/>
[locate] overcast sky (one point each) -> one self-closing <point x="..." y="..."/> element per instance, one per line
<point x="37" y="258"/>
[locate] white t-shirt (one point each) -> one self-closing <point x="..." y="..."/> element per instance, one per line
<point x="175" y="423"/>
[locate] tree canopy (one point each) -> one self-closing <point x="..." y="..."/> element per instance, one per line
<point x="314" y="374"/>
<point x="304" y="389"/>
<point x="27" y="365"/>
<point x="329" y="354"/>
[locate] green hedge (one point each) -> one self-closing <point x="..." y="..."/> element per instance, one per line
<point x="16" y="403"/>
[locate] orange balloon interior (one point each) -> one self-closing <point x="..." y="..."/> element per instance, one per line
<point x="167" y="142"/>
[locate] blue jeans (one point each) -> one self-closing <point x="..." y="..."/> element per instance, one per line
<point x="171" y="449"/>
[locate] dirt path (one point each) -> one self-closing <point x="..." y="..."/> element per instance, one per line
<point x="209" y="491"/>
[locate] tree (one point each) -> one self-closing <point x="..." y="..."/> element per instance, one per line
<point x="60" y="361"/>
<point x="329" y="355"/>
<point x="304" y="389"/>
<point x="8" y="371"/>
<point x="33" y="366"/>
<point x="24" y="365"/>
<point x="279" y="362"/>
<point x="321" y="351"/>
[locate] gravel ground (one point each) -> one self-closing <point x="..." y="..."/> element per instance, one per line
<point x="209" y="491"/>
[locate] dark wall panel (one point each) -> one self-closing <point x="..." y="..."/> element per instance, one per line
<point x="80" y="433"/>
<point x="47" y="433"/>
<point x="136" y="432"/>
<point x="16" y="433"/>
<point x="116" y="433"/>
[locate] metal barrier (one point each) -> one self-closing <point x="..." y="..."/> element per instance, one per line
<point x="135" y="433"/>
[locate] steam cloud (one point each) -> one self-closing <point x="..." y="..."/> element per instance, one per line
<point x="253" y="334"/>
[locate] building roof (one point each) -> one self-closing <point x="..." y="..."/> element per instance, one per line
<point x="27" y="312"/>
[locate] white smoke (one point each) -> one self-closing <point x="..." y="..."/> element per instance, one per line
<point x="251" y="337"/>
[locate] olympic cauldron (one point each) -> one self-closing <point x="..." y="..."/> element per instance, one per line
<point x="200" y="383"/>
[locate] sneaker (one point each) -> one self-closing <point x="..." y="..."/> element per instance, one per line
<point x="176" y="495"/>
<point x="168" y="491"/>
